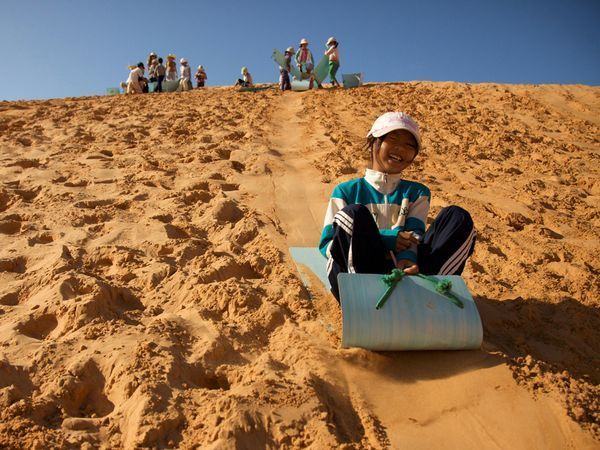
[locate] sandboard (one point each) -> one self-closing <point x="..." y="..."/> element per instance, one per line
<point x="302" y="85"/>
<point x="279" y="58"/>
<point x="310" y="258"/>
<point x="415" y="316"/>
<point x="350" y="80"/>
<point x="321" y="70"/>
<point x="170" y="85"/>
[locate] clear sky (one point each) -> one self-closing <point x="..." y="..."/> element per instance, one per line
<point x="59" y="48"/>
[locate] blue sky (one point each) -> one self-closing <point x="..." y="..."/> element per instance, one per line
<point x="59" y="48"/>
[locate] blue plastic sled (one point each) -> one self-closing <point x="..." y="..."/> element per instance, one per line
<point x="415" y="316"/>
<point x="351" y="80"/>
<point x="321" y="70"/>
<point x="311" y="258"/>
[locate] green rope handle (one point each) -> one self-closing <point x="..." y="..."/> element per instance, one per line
<point x="443" y="287"/>
<point x="391" y="280"/>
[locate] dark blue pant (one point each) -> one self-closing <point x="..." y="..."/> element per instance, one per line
<point x="357" y="244"/>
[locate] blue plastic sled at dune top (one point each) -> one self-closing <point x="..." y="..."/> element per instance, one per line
<point x="415" y="316"/>
<point x="350" y="80"/>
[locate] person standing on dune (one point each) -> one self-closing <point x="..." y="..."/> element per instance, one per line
<point x="185" y="82"/>
<point x="200" y="76"/>
<point x="305" y="62"/>
<point x="171" y="68"/>
<point x="333" y="54"/>
<point x="160" y="74"/>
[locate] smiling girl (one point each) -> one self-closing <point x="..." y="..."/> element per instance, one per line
<point x="377" y="222"/>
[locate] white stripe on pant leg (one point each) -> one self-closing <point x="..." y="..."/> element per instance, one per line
<point x="343" y="223"/>
<point x="450" y="261"/>
<point x="463" y="258"/>
<point x="350" y="261"/>
<point x="344" y="227"/>
<point x="343" y="218"/>
<point x="459" y="259"/>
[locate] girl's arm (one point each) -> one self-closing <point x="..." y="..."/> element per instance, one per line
<point x="336" y="203"/>
<point x="414" y="227"/>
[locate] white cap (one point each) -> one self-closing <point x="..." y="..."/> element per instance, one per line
<point x="391" y="121"/>
<point x="303" y="41"/>
<point x="331" y="39"/>
<point x="200" y="67"/>
<point x="183" y="61"/>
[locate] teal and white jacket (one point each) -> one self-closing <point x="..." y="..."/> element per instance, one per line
<point x="396" y="205"/>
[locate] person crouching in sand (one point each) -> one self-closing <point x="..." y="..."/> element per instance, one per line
<point x="377" y="223"/>
<point x="134" y="82"/>
<point x="246" y="80"/>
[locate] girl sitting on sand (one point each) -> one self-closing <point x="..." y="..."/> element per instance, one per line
<point x="377" y="222"/>
<point x="246" y="80"/>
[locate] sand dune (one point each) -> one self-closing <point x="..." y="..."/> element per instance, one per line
<point x="147" y="298"/>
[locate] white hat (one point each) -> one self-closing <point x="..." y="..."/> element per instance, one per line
<point x="290" y="50"/>
<point x="303" y="41"/>
<point x="331" y="39"/>
<point x="391" y="121"/>
<point x="200" y="67"/>
<point x="183" y="61"/>
<point x="152" y="54"/>
<point x="244" y="70"/>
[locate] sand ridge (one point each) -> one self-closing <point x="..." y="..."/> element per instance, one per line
<point x="147" y="298"/>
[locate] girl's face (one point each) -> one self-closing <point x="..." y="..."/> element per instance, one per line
<point x="396" y="153"/>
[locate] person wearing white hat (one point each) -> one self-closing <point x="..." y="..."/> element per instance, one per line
<point x="333" y="54"/>
<point x="200" y="76"/>
<point x="305" y="61"/>
<point x="284" y="72"/>
<point x="246" y="80"/>
<point x="185" y="80"/>
<point x="377" y="223"/>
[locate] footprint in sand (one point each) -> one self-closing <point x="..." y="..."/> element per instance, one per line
<point x="10" y="298"/>
<point x="38" y="327"/>
<point x="17" y="264"/>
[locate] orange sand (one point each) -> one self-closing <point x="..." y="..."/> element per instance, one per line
<point x="147" y="298"/>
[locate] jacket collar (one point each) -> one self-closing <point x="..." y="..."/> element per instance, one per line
<point x="383" y="182"/>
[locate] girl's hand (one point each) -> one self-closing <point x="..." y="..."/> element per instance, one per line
<point x="404" y="240"/>
<point x="408" y="266"/>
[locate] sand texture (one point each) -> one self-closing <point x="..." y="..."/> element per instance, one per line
<point x="148" y="300"/>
